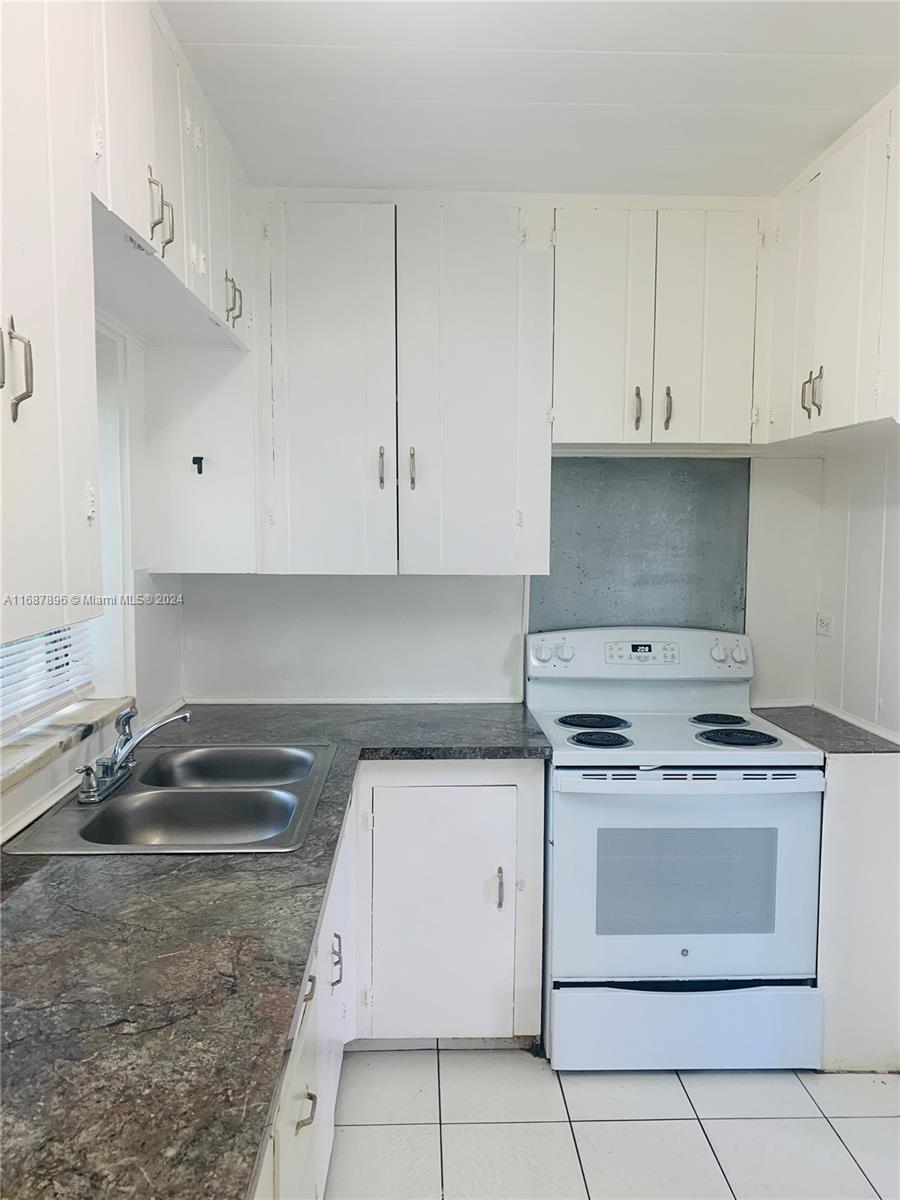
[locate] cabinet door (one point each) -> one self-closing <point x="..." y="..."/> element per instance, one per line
<point x="705" y="315"/>
<point x="850" y="250"/>
<point x="170" y="236"/>
<point x="785" y="283"/>
<point x="474" y="354"/>
<point x="218" y="183"/>
<point x="129" y="113"/>
<point x="888" y="375"/>
<point x="241" y="267"/>
<point x="804" y="349"/>
<point x="334" y="370"/>
<point x="336" y="999"/>
<point x="196" y="195"/>
<point x="32" y="542"/>
<point x="298" y="1114"/>
<point x="69" y="30"/>
<point x="603" y="326"/>
<point x="443" y="911"/>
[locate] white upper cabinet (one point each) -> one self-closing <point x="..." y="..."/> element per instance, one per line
<point x="705" y="314"/>
<point x="128" y="141"/>
<point x="334" y="345"/>
<point x="196" y="191"/>
<point x="474" y="361"/>
<point x="603" y="352"/>
<point x="169" y="234"/>
<point x="218" y="183"/>
<point x="888" y="379"/>
<point x="834" y="278"/>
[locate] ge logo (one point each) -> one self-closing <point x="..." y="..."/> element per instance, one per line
<point x="684" y="952"/>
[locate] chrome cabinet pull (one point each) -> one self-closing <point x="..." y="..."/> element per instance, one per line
<point x="668" y="420"/>
<point x="167" y="241"/>
<point x="229" y="290"/>
<point x="637" y="408"/>
<point x="238" y="310"/>
<point x="807" y="408"/>
<point x="29" y="370"/>
<point x="310" y="991"/>
<point x="304" y="1121"/>
<point x="816" y="402"/>
<point x="500" y="887"/>
<point x="2" y="359"/>
<point x="337" y="958"/>
<point x="412" y="468"/>
<point x="381" y="467"/>
<point x="157" y="219"/>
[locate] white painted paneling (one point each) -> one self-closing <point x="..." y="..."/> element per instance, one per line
<point x="858" y="667"/>
<point x="698" y="97"/>
<point x="353" y="638"/>
<point x="443" y="943"/>
<point x="603" y="348"/>
<point x="783" y="577"/>
<point x="859" y="937"/>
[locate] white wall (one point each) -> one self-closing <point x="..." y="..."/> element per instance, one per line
<point x="783" y="578"/>
<point x="858" y="667"/>
<point x="395" y="638"/>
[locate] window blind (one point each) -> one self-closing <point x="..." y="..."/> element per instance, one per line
<point x="40" y="674"/>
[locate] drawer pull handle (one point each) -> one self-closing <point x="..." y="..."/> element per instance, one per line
<point x="169" y="207"/>
<point x="500" y="887"/>
<point x="637" y="408"/>
<point x="807" y="408"/>
<point x="668" y="420"/>
<point x="304" y="1121"/>
<point x="29" y="370"/>
<point x="816" y="402"/>
<point x="381" y="467"/>
<point x="412" y="468"/>
<point x="337" y="957"/>
<point x="157" y="215"/>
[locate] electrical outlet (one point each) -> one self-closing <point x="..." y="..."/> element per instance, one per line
<point x="823" y="625"/>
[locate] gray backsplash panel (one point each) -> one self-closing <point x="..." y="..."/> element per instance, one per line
<point x="645" y="541"/>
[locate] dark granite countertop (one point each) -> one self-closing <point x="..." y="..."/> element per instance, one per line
<point x="827" y="732"/>
<point x="148" y="999"/>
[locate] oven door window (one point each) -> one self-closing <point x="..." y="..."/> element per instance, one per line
<point x="694" y="880"/>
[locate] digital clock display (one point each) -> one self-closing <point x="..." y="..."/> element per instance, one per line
<point x="641" y="648"/>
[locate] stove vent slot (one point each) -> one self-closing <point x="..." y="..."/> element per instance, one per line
<point x="784" y="774"/>
<point x="595" y="775"/>
<point x="755" y="775"/>
<point x="673" y="775"/>
<point x="699" y="775"/>
<point x="625" y="775"/>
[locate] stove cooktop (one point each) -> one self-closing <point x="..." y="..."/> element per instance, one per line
<point x="592" y="721"/>
<point x="674" y="739"/>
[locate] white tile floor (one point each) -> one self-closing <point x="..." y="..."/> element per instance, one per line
<point x="501" y="1125"/>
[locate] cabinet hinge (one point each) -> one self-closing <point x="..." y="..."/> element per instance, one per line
<point x="762" y="239"/>
<point x="549" y="416"/>
<point x="889" y="148"/>
<point x="99" y="147"/>
<point x="523" y="236"/>
<point x="265" y="230"/>
<point x="553" y="237"/>
<point x="754" y="416"/>
<point x="369" y="997"/>
<point x="368" y="821"/>
<point x="520" y="518"/>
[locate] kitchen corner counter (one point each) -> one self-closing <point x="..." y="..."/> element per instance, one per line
<point x="831" y="734"/>
<point x="148" y="999"/>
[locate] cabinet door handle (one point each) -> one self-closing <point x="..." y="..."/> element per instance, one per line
<point x="238" y="304"/>
<point x="381" y="467"/>
<point x="29" y="370"/>
<point x="412" y="468"/>
<point x="500" y="888"/>
<point x="816" y="402"/>
<point x="337" y="958"/>
<point x="229" y="291"/>
<point x="310" y="991"/>
<point x="2" y="359"/>
<point x="167" y="241"/>
<point x="304" y="1121"/>
<point x="637" y="408"/>
<point x="807" y="408"/>
<point x="668" y="420"/>
<point x="156" y="218"/>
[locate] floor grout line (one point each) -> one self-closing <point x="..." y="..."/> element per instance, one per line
<point x="587" y="1190"/>
<point x="837" y="1134"/>
<point x="705" y="1134"/>
<point x="437" y="1057"/>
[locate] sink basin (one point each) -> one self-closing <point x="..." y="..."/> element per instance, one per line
<point x="230" y="766"/>
<point x="196" y="816"/>
<point x="193" y="800"/>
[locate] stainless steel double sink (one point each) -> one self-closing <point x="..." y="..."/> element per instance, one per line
<point x="193" y="800"/>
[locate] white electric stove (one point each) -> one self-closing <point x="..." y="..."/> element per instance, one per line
<point x="683" y="856"/>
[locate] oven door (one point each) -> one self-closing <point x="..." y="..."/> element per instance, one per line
<point x="684" y="874"/>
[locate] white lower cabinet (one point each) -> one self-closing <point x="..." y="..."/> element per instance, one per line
<point x="295" y="1123"/>
<point x="450" y="870"/>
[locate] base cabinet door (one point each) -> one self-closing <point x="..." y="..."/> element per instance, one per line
<point x="603" y="323"/>
<point x="443" y="911"/>
<point x="295" y="1124"/>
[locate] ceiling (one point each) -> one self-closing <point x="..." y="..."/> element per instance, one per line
<point x="728" y="97"/>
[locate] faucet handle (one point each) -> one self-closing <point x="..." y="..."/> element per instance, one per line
<point x="89" y="792"/>
<point x="124" y="719"/>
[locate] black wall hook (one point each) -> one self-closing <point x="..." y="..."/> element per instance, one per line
<point x="197" y="460"/>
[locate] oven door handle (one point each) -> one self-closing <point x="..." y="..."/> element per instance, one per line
<point x="750" y="783"/>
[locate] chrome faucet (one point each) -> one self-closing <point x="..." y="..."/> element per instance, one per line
<point x="111" y="771"/>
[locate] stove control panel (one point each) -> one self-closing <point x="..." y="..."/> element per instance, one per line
<point x="641" y="652"/>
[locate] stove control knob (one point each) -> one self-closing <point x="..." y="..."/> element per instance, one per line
<point x="739" y="652"/>
<point x="718" y="653"/>
<point x="565" y="652"/>
<point x="543" y="652"/>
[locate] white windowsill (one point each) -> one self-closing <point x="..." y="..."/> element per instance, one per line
<point x="26" y="751"/>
